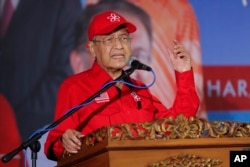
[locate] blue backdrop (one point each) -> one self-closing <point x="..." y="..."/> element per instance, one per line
<point x="225" y="40"/>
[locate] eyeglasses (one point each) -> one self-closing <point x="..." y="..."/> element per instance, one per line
<point x="124" y="39"/>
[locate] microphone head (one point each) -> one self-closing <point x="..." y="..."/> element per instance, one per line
<point x="136" y="64"/>
<point x="130" y="61"/>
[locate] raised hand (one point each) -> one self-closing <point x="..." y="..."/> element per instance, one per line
<point x="181" y="59"/>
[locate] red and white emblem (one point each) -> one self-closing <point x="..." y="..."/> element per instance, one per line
<point x="113" y="18"/>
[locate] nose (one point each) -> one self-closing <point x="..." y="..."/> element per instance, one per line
<point x="118" y="43"/>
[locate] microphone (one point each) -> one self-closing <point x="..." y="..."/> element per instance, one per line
<point x="135" y="64"/>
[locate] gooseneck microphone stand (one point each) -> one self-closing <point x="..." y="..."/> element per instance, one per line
<point x="33" y="142"/>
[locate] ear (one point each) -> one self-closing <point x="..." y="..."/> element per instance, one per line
<point x="91" y="49"/>
<point x="76" y="62"/>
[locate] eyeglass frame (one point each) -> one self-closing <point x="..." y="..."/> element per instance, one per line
<point x="113" y="39"/>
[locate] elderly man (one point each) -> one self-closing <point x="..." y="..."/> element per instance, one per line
<point x="110" y="46"/>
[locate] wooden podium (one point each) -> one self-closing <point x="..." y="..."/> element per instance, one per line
<point x="168" y="142"/>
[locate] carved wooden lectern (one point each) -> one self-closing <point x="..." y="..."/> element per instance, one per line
<point x="162" y="142"/>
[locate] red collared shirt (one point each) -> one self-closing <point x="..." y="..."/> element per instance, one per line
<point x="113" y="106"/>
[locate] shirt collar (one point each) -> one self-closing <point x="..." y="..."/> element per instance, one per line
<point x="101" y="76"/>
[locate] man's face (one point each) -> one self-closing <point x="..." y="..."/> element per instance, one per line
<point x="140" y="46"/>
<point x="112" y="51"/>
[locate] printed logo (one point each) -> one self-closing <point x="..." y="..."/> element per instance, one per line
<point x="113" y="18"/>
<point x="135" y="96"/>
<point x="239" y="158"/>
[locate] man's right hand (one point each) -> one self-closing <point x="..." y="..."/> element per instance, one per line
<point x="71" y="140"/>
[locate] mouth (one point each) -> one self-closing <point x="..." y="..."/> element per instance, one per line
<point x="119" y="60"/>
<point x="118" y="56"/>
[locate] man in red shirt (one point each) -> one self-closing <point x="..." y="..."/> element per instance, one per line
<point x="110" y="45"/>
